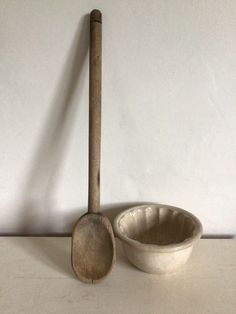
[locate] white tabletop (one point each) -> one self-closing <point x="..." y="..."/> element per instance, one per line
<point x="36" y="277"/>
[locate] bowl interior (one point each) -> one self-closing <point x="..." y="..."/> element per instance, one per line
<point x="157" y="225"/>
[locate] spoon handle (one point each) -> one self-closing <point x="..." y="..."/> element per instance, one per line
<point x="95" y="73"/>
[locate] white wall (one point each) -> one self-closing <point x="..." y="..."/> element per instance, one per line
<point x="169" y="111"/>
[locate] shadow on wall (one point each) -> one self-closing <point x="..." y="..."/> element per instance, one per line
<point x="36" y="208"/>
<point x="36" y="211"/>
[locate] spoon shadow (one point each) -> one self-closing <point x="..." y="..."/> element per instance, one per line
<point x="37" y="208"/>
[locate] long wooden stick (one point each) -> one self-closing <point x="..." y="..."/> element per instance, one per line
<point x="95" y="74"/>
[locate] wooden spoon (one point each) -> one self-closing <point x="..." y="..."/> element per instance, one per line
<point x="93" y="242"/>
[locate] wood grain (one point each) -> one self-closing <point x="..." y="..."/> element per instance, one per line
<point x="93" y="242"/>
<point x="95" y="79"/>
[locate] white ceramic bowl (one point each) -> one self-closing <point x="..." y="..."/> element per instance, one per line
<point x="157" y="238"/>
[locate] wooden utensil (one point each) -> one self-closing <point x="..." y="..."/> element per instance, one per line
<point x="93" y="242"/>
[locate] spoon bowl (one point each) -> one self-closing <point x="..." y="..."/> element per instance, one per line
<point x="93" y="247"/>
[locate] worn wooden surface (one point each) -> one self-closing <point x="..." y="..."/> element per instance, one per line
<point x="93" y="243"/>
<point x="93" y="247"/>
<point x="95" y="81"/>
<point x="36" y="277"/>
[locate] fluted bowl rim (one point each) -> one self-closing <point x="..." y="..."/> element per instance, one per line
<point x="197" y="232"/>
